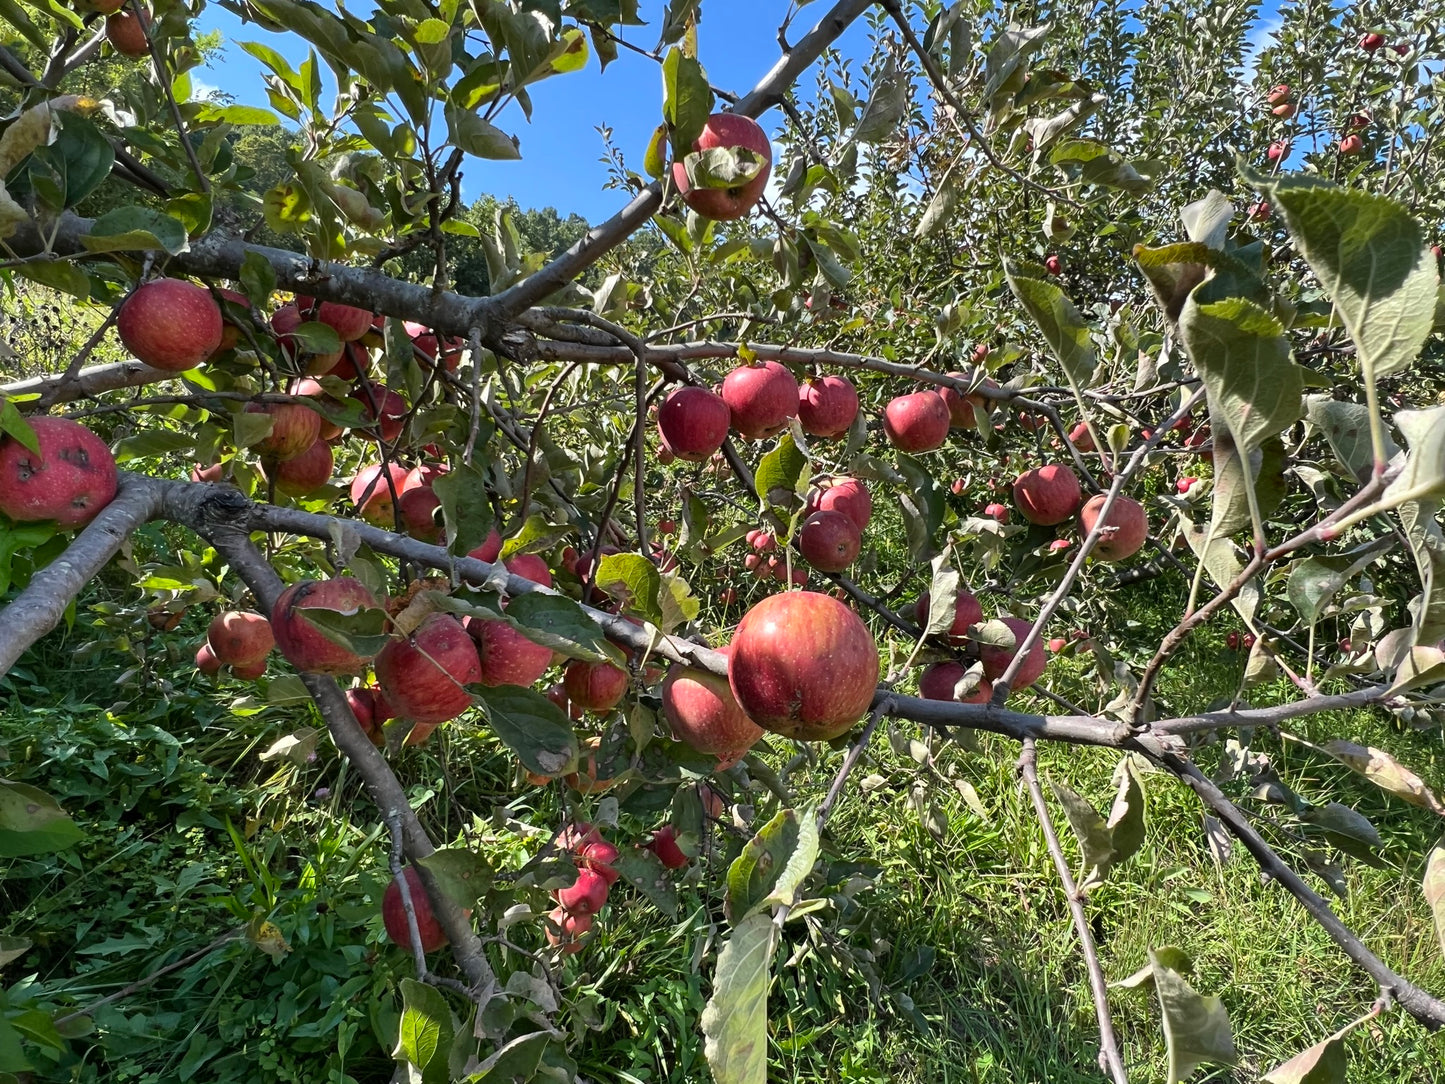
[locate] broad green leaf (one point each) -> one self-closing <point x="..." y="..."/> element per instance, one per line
<point x="32" y="822"/>
<point x="887" y="104"/>
<point x="1196" y="1028"/>
<point x="12" y="948"/>
<point x="466" y="507"/>
<point x="1346" y="426"/>
<point x="723" y="167"/>
<point x="939" y="211"/>
<point x="783" y="473"/>
<point x="363" y="631"/>
<point x="532" y="727"/>
<point x="1206" y="220"/>
<point x="1126" y="818"/>
<point x="463" y="875"/>
<point x="1007" y="65"/>
<point x="134" y="229"/>
<point x="1221" y="559"/>
<point x="772" y="864"/>
<point x="686" y="100"/>
<point x="1370" y="256"/>
<point x="258" y="279"/>
<point x="1166" y="956"/>
<point x="517" y="1059"/>
<point x="643" y="870"/>
<point x="475" y="135"/>
<point x="13" y="424"/>
<point x="1387" y="773"/>
<point x="560" y="623"/>
<point x="1434" y="887"/>
<point x="424" y="1038"/>
<point x="1101" y="164"/>
<point x="923" y="506"/>
<point x="1421" y="524"/>
<point x="1313" y="581"/>
<point x="152" y="444"/>
<point x="942" y="596"/>
<point x="1096" y="839"/>
<point x="735" y="1022"/>
<point x="1424" y="470"/>
<point x="633" y="581"/>
<point x="1061" y="323"/>
<point x="677" y="603"/>
<point x="654" y="160"/>
<point x="238" y="115"/>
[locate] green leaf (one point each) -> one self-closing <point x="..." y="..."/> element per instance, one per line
<point x="475" y="135"/>
<point x="315" y="337"/>
<point x="1096" y="839"/>
<point x="1196" y="1028"/>
<point x="633" y="581"/>
<point x="13" y="424"/>
<point x="532" y="727"/>
<point x="32" y="822"/>
<point x="425" y="1036"/>
<point x="643" y="870"/>
<point x="887" y="104"/>
<point x="1424" y="470"/>
<point x="1434" y="888"/>
<point x="654" y="161"/>
<point x="1126" y="818"/>
<point x="466" y="506"/>
<point x="1100" y="164"/>
<point x="1221" y="559"/>
<point x="942" y="596"/>
<point x="258" y="278"/>
<point x="783" y="473"/>
<point x="735" y="1022"/>
<point x="1370" y="256"/>
<point x="364" y="631"/>
<point x="686" y="100"/>
<point x="152" y="444"/>
<point x="560" y="623"/>
<point x="12" y="948"/>
<point x="1313" y="581"/>
<point x="82" y="155"/>
<point x="136" y="229"/>
<point x="1063" y="327"/>
<point x="463" y="875"/>
<point x="772" y="864"/>
<point x="1347" y="428"/>
<point x="723" y="167"/>
<point x="238" y="115"/>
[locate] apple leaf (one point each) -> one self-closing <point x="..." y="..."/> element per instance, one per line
<point x="654" y="161"/>
<point x="772" y="864"/>
<point x="13" y="424"/>
<point x="887" y="104"/>
<point x="782" y="475"/>
<point x="1096" y="839"/>
<point x="723" y="167"/>
<point x="466" y="510"/>
<point x="532" y="727"/>
<point x="1196" y="1028"/>
<point x="134" y="229"/>
<point x="1061" y="323"/>
<point x="12" y="948"/>
<point x="463" y="875"/>
<point x="643" y="870"/>
<point x="32" y="822"/>
<point x="686" y="100"/>
<point x="1347" y="427"/>
<point x="1424" y="470"/>
<point x="363" y="631"/>
<point x="1370" y="256"/>
<point x="1220" y="558"/>
<point x="560" y="623"/>
<point x="1387" y="773"/>
<point x="424" y="1037"/>
<point x="470" y="132"/>
<point x="1434" y="888"/>
<point x="942" y="596"/>
<point x="634" y="582"/>
<point x="1206" y="221"/>
<point x="735" y="1022"/>
<point x="1420" y="522"/>
<point x="1126" y="817"/>
<point x="1166" y="956"/>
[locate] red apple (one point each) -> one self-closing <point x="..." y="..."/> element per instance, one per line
<point x="490" y="548"/>
<point x="594" y="686"/>
<point x="1371" y="42"/>
<point x="1054" y="265"/>
<point x="507" y="657"/>
<point x="126" y="32"/>
<point x="302" y="474"/>
<point x="803" y="665"/>
<point x="847" y="495"/>
<point x="294" y="428"/>
<point x="349" y="322"/>
<point x="70" y="481"/>
<point x="726" y="204"/>
<point x="240" y="637"/>
<point x="1285" y="111"/>
<point x="230" y="330"/>
<point x="424" y="339"/>
<point x="424" y="676"/>
<point x="996" y="511"/>
<point x="702" y="711"/>
<point x="530" y="567"/>
<point x="966" y="613"/>
<point x="827" y="405"/>
<point x="1279" y="94"/>
<point x="1047" y="495"/>
<point x="304" y="645"/>
<point x="666" y="527"/>
<point x="961" y="403"/>
<point x="585" y="896"/>
<point x="693" y="423"/>
<point x="1184" y="484"/>
<point x="375" y="498"/>
<point x="918" y="422"/>
<point x="1278" y="149"/>
<point x="1352" y="144"/>
<point x="393" y="914"/>
<point x="599" y="855"/>
<point x="940" y="680"/>
<point x="206" y="661"/>
<point x="169" y="324"/>
<point x="1123" y="532"/>
<point x="1058" y="545"/>
<point x="996" y="659"/>
<point x="388" y="406"/>
<point x="829" y="541"/>
<point x="1081" y="438"/>
<point x="664" y="844"/>
<point x="761" y="399"/>
<point x="565" y="930"/>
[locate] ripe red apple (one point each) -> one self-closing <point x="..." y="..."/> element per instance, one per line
<point x="302" y="474"/>
<point x="996" y="511"/>
<point x="349" y="322"/>
<point x="585" y="896"/>
<point x="294" y="428"/>
<point x="240" y="637"/>
<point x="565" y="930"/>
<point x="70" y="481"/>
<point x="829" y="541"/>
<point x="996" y="659"/>
<point x="530" y="567"/>
<point x="1047" y="495"/>
<point x="1260" y="212"/>
<point x="803" y="665"/>
<point x="664" y="844"/>
<point x="666" y="527"/>
<point x="599" y="855"/>
<point x="1371" y="42"/>
<point x="1279" y="94"/>
<point x="1278" y="149"/>
<point x="230" y="330"/>
<point x="846" y="495"/>
<point x="966" y="613"/>
<point x="918" y="422"/>
<point x="1058" y="545"/>
<point x="418" y="506"/>
<point x="761" y="541"/>
<point x="594" y="686"/>
<point x="693" y="423"/>
<point x="206" y="661"/>
<point x="424" y="340"/>
<point x="827" y="405"/>
<point x="490" y="549"/>
<point x="393" y="914"/>
<point x="1184" y="484"/>
<point x="961" y="403"/>
<point x="726" y="204"/>
<point x="424" y="676"/>
<point x="1054" y="265"/>
<point x="507" y="657"/>
<point x="1124" y="530"/>
<point x="1285" y="111"/>
<point x="304" y="645"/>
<point x="363" y="704"/>
<point x="389" y="407"/>
<point x="169" y="324"/>
<point x="1352" y="144"/>
<point x="373" y="496"/>
<point x="761" y="399"/>
<point x="702" y="711"/>
<point x="126" y="33"/>
<point x="940" y="680"/>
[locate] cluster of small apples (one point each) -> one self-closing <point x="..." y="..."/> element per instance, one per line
<point x="1049" y="495"/>
<point x="1234" y="641"/>
<point x="972" y="682"/>
<point x="68" y="480"/>
<point x="583" y="900"/>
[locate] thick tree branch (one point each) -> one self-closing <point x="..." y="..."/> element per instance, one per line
<point x="84" y="385"/>
<point x="602" y="239"/>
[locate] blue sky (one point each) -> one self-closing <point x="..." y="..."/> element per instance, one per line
<point x="560" y="167"/>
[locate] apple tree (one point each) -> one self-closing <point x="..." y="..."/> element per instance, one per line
<point x="893" y="375"/>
